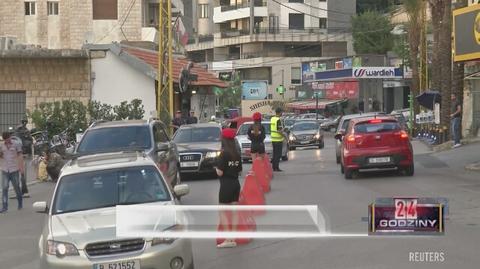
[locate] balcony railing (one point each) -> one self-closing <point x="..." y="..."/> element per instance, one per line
<point x="200" y="38"/>
<point x="257" y="3"/>
<point x="274" y="31"/>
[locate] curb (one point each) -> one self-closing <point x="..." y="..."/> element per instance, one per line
<point x="448" y="145"/>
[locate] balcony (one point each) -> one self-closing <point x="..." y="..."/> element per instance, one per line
<point x="235" y="37"/>
<point x="201" y="42"/>
<point x="223" y="14"/>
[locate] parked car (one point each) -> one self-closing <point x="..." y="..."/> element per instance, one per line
<point x="199" y="147"/>
<point x="375" y="142"/>
<point x="306" y="134"/>
<point x="147" y="136"/>
<point x="288" y="122"/>
<point x="244" y="143"/>
<point x="310" y="116"/>
<point x="80" y="226"/>
<point x="401" y="119"/>
<point x="342" y="127"/>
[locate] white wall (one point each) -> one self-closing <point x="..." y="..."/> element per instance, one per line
<point x="309" y="20"/>
<point x="116" y="81"/>
<point x="53" y="34"/>
<point x="31" y="29"/>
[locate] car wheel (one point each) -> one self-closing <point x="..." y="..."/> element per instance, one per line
<point x="409" y="170"/>
<point x="342" y="170"/>
<point x="348" y="173"/>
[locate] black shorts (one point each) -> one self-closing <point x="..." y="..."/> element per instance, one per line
<point x="257" y="148"/>
<point x="229" y="190"/>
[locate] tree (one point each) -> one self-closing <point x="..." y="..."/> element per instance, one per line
<point x="382" y="6"/>
<point x="413" y="10"/>
<point x="445" y="54"/>
<point x="231" y="97"/>
<point x="372" y="33"/>
<point x="100" y="111"/>
<point x="131" y="111"/>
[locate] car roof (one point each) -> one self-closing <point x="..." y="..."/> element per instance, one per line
<point x="118" y="123"/>
<point x="361" y="115"/>
<point x="381" y="117"/>
<point x="200" y="125"/>
<point x="105" y="161"/>
<point x="251" y="122"/>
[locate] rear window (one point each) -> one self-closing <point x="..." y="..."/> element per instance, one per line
<point x="244" y="128"/>
<point x="115" y="138"/>
<point x="368" y="127"/>
<point x="203" y="134"/>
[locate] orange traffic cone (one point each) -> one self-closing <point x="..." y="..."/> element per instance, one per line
<point x="261" y="174"/>
<point x="252" y="193"/>
<point x="245" y="223"/>
<point x="268" y="166"/>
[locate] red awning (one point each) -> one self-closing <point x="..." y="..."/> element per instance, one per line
<point x="311" y="104"/>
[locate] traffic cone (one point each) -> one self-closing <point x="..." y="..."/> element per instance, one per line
<point x="268" y="166"/>
<point x="245" y="223"/>
<point x="252" y="193"/>
<point x="260" y="170"/>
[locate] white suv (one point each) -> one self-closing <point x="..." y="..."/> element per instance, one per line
<point x="80" y="228"/>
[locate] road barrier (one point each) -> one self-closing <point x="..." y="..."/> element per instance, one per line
<point x="261" y="170"/>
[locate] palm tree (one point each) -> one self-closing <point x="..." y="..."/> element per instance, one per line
<point x="436" y="15"/>
<point x="413" y="10"/>
<point x="445" y="55"/>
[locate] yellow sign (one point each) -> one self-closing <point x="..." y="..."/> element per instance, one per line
<point x="251" y="106"/>
<point x="466" y="33"/>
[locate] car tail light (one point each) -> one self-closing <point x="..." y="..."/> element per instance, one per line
<point x="350" y="138"/>
<point x="376" y="121"/>
<point x="402" y="134"/>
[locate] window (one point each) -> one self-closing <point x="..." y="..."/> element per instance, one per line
<point x="104" y="9"/>
<point x="203" y="9"/>
<point x="193" y="135"/>
<point x="52" y="8"/>
<point x="29" y="8"/>
<point x="295" y="75"/>
<point x="115" y="139"/>
<point x="322" y="23"/>
<point x="296" y="21"/>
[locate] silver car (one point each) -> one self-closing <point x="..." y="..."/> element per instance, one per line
<point x="80" y="227"/>
<point x="244" y="143"/>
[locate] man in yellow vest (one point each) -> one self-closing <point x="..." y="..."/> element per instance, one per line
<point x="276" y="130"/>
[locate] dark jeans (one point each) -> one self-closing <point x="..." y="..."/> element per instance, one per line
<point x="455" y="130"/>
<point x="6" y="178"/>
<point x="277" y="154"/>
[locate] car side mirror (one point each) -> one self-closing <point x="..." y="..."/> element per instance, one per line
<point x="339" y="136"/>
<point x="40" y="207"/>
<point x="181" y="190"/>
<point x="161" y="147"/>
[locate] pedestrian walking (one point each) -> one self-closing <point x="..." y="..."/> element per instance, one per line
<point x="13" y="167"/>
<point x="276" y="133"/>
<point x="228" y="169"/>
<point x="192" y="119"/>
<point x="256" y="133"/>
<point x="456" y="120"/>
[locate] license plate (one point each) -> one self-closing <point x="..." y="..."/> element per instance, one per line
<point x="379" y="160"/>
<point x="189" y="164"/>
<point x="132" y="264"/>
<point x="304" y="142"/>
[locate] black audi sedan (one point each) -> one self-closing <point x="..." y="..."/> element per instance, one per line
<point x="199" y="147"/>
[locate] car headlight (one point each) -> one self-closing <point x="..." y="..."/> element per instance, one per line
<point x="212" y="154"/>
<point x="167" y="240"/>
<point x="317" y="136"/>
<point x="61" y="249"/>
<point x="292" y="137"/>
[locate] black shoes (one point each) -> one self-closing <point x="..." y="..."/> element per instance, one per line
<point x="278" y="170"/>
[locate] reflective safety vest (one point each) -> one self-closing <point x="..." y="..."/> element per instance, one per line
<point x="275" y="134"/>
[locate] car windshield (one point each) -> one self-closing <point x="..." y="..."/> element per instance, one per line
<point x="305" y="126"/>
<point x="368" y="127"/>
<point x="202" y="134"/>
<point x="115" y="138"/>
<point x="244" y="128"/>
<point x="108" y="188"/>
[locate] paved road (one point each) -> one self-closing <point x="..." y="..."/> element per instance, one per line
<point x="312" y="177"/>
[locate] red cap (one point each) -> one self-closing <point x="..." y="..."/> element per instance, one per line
<point x="228" y="133"/>
<point x="257" y="116"/>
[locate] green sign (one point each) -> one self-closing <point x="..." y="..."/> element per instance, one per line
<point x="280" y="89"/>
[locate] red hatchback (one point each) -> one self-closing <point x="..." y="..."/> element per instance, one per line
<point x="375" y="143"/>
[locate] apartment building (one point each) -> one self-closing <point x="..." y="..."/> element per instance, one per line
<point x="69" y="24"/>
<point x="268" y="40"/>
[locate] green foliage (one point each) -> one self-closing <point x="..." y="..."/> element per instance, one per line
<point x="231" y="96"/>
<point x="372" y="33"/>
<point x="132" y="111"/>
<point x="381" y="6"/>
<point x="100" y="111"/>
<point x="74" y="115"/>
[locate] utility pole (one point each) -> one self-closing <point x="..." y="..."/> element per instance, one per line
<point x="165" y="63"/>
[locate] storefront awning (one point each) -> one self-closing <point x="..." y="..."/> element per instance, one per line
<point x="311" y="104"/>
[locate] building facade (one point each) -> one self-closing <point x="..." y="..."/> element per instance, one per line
<point x="69" y="24"/>
<point x="268" y="40"/>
